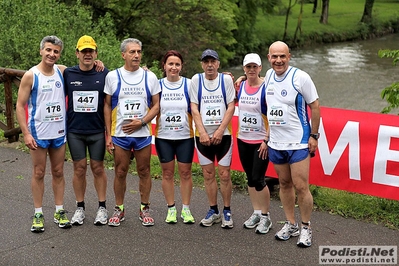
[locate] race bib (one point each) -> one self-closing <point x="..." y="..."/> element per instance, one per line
<point x="52" y="112"/>
<point x="85" y="101"/>
<point x="250" y="122"/>
<point x="212" y="115"/>
<point x="278" y="115"/>
<point x="174" y="121"/>
<point x="132" y="108"/>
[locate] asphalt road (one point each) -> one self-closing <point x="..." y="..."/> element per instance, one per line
<point x="162" y="244"/>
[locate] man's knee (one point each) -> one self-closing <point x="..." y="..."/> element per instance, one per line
<point x="143" y="171"/>
<point x="302" y="189"/>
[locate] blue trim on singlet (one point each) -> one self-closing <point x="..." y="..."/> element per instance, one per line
<point x="33" y="101"/>
<point x="240" y="90"/>
<point x="274" y="75"/>
<point x="61" y="77"/>
<point x="300" y="106"/>
<point x="221" y="84"/>
<point x="302" y="111"/>
<point x="34" y="105"/>
<point x="262" y="87"/>
<point x="149" y="96"/>
<point x="263" y="105"/>
<point x="186" y="94"/>
<point x="115" y="96"/>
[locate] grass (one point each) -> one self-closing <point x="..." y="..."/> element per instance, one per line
<point x="343" y="22"/>
<point x="357" y="206"/>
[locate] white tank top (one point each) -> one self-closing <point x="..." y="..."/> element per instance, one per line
<point x="287" y="97"/>
<point x="212" y="98"/>
<point x="46" y="105"/>
<point x="252" y="118"/>
<point x="131" y="98"/>
<point x="174" y="120"/>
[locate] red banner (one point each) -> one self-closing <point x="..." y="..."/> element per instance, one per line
<point x="358" y="152"/>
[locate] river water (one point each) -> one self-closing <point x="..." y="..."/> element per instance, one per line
<point x="347" y="75"/>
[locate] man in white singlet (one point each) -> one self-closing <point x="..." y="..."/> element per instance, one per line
<point x="212" y="97"/>
<point x="293" y="139"/>
<point x="132" y="101"/>
<point x="42" y="92"/>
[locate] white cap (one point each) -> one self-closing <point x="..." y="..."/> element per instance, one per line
<point x="252" y="58"/>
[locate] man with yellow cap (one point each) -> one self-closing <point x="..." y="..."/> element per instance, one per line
<point x="84" y="87"/>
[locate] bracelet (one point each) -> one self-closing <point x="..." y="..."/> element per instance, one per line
<point x="265" y="141"/>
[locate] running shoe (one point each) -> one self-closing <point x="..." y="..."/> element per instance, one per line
<point x="305" y="238"/>
<point x="227" y="221"/>
<point x="211" y="218"/>
<point x="264" y="225"/>
<point x="145" y="216"/>
<point x="252" y="221"/>
<point x="171" y="217"/>
<point x="101" y="216"/>
<point x="287" y="231"/>
<point x="78" y="217"/>
<point x="117" y="217"/>
<point x="38" y="223"/>
<point x="61" y="219"/>
<point x="187" y="216"/>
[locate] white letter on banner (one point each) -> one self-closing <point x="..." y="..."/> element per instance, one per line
<point x="384" y="154"/>
<point x="349" y="137"/>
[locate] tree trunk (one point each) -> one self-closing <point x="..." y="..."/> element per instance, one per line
<point x="314" y="6"/>
<point x="290" y="6"/>
<point x="368" y="8"/>
<point x="299" y="24"/>
<point x="324" y="12"/>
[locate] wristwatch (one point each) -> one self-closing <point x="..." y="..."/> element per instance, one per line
<point x="315" y="136"/>
<point x="143" y="124"/>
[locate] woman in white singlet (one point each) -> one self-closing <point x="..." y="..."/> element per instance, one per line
<point x="174" y="136"/>
<point x="252" y="137"/>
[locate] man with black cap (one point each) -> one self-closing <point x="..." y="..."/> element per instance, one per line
<point x="85" y="126"/>
<point x="212" y="97"/>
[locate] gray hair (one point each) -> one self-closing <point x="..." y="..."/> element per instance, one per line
<point x="52" y="39"/>
<point x="127" y="41"/>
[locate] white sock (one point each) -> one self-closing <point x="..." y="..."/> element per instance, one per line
<point x="59" y="207"/>
<point x="39" y="210"/>
<point x="186" y="206"/>
<point x="258" y="212"/>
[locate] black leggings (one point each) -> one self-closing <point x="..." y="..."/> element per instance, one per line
<point x="254" y="167"/>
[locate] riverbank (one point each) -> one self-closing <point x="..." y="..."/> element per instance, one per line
<point x="343" y="23"/>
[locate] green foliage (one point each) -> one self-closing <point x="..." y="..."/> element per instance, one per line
<point x="246" y="17"/>
<point x="390" y="93"/>
<point x="188" y="26"/>
<point x="25" y="23"/>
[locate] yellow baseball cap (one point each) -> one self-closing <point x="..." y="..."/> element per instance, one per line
<point x="86" y="42"/>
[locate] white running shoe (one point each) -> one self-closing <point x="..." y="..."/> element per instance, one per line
<point x="78" y="217"/>
<point x="101" y="216"/>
